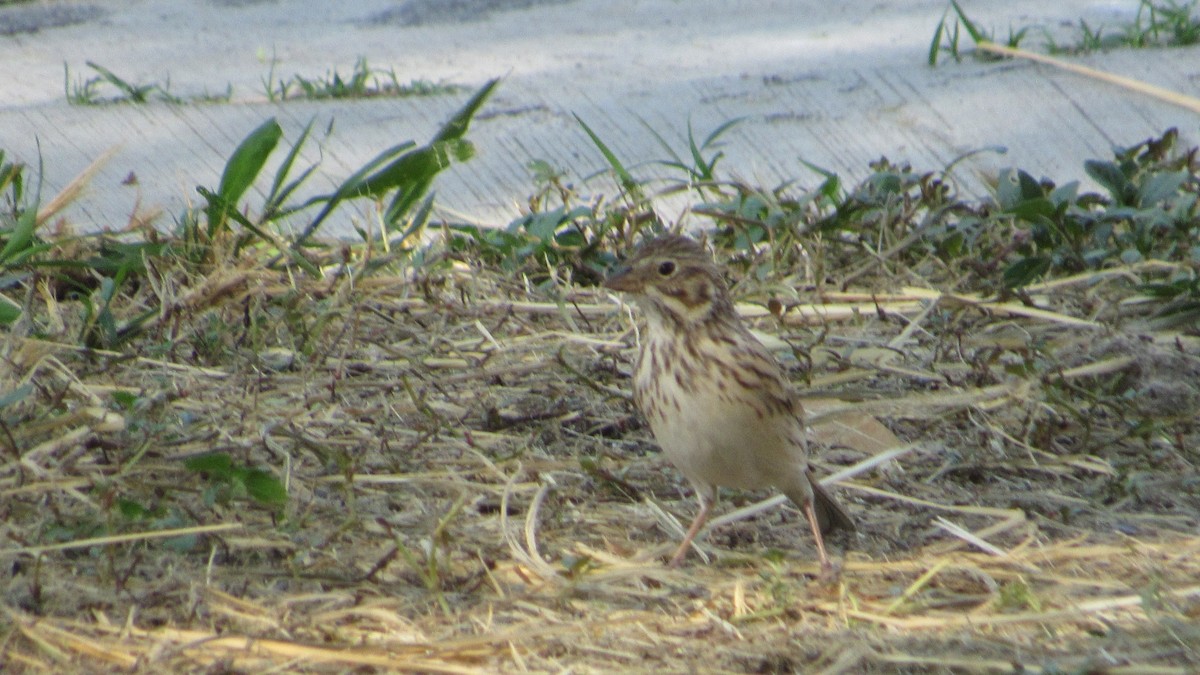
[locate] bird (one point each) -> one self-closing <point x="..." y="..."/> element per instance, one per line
<point x="716" y="400"/>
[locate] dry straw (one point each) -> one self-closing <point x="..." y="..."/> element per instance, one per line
<point x="470" y="491"/>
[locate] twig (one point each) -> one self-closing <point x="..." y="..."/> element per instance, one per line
<point x="1190" y="102"/>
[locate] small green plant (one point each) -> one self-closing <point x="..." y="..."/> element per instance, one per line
<point x="405" y="173"/>
<point x="400" y="177"/>
<point x="109" y="283"/>
<point x="1016" y="596"/>
<point x="99" y="90"/>
<point x="588" y="238"/>
<point x="947" y="39"/>
<point x="700" y="171"/>
<point x="1150" y="212"/>
<point x="18" y="224"/>
<point x="18" y="221"/>
<point x="229" y="481"/>
<point x="559" y="236"/>
<point x="12" y="186"/>
<point x="1166" y="24"/>
<point x="362" y="82"/>
<point x="432" y="570"/>
<point x="91" y="90"/>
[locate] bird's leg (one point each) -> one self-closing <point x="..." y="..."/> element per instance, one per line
<point x="811" y="515"/>
<point x="707" y="498"/>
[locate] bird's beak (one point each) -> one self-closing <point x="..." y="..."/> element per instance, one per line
<point x="622" y="280"/>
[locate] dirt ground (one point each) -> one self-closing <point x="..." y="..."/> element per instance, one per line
<point x="470" y="490"/>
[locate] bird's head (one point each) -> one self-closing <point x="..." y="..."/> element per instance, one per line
<point x="673" y="278"/>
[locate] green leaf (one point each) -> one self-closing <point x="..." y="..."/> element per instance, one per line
<point x="248" y="160"/>
<point x="137" y="94"/>
<point x="1065" y="193"/>
<point x="1016" y="187"/>
<point x="544" y="225"/>
<point x="1024" y="271"/>
<point x="9" y="311"/>
<point x="626" y="179"/>
<point x="976" y="34"/>
<point x="1033" y="209"/>
<point x="412" y="169"/>
<point x="242" y="169"/>
<point x="280" y="192"/>
<point x="1110" y="176"/>
<point x="131" y="509"/>
<point x="936" y="43"/>
<point x="125" y="399"/>
<point x="264" y="487"/>
<point x="1030" y="187"/>
<point x="22" y="235"/>
<point x="1160" y="187"/>
<point x="216" y="464"/>
<point x="456" y="127"/>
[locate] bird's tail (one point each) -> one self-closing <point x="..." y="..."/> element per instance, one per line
<point x="831" y="515"/>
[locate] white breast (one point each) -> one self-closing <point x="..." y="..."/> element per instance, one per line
<point x="715" y="435"/>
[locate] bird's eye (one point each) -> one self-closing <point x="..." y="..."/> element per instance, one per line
<point x="666" y="269"/>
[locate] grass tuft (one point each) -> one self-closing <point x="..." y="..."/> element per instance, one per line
<point x="1156" y="25"/>
<point x="363" y="81"/>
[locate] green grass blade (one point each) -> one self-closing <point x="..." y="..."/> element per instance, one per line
<point x="248" y="160"/>
<point x="707" y="168"/>
<point x="418" y="222"/>
<point x="242" y="168"/>
<point x="21" y="238"/>
<point x="936" y="43"/>
<point x="352" y="187"/>
<point x="456" y="127"/>
<point x="719" y="131"/>
<point x="976" y="34"/>
<point x="278" y="191"/>
<point x="9" y="312"/>
<point x="18" y="245"/>
<point x="626" y="179"/>
<point x="676" y="160"/>
<point x="702" y="170"/>
<point x="135" y="94"/>
<point x="274" y="207"/>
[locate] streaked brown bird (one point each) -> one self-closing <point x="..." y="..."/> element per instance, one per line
<point x="715" y="398"/>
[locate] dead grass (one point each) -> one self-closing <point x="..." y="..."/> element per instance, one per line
<point x="470" y="491"/>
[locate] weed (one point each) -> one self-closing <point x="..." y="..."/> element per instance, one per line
<point x="433" y="570"/>
<point x="362" y="82"/>
<point x="123" y="286"/>
<point x="587" y="239"/>
<point x="1017" y="596"/>
<point x="701" y="170"/>
<point x="1150" y="212"/>
<point x="559" y="232"/>
<point x="230" y="481"/>
<point x="1168" y="24"/>
<point x="90" y="91"/>
<point x="951" y="36"/>
<point x="399" y="177"/>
